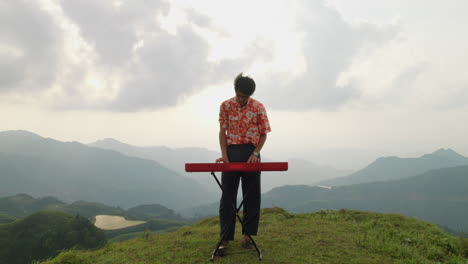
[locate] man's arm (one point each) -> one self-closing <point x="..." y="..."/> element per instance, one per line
<point x="223" y="144"/>
<point x="259" y="147"/>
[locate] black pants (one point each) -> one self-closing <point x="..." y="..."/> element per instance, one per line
<point x="250" y="192"/>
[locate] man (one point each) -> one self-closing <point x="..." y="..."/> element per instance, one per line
<point x="243" y="131"/>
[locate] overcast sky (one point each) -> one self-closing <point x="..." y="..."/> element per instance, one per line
<point x="344" y="82"/>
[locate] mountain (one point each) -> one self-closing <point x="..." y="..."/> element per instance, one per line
<point x="172" y="158"/>
<point x="300" y="171"/>
<point x="73" y="171"/>
<point x="392" y="168"/>
<point x="324" y="237"/>
<point x="439" y="196"/>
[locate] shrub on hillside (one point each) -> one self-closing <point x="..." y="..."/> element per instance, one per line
<point x="5" y="219"/>
<point x="464" y="244"/>
<point x="45" y="234"/>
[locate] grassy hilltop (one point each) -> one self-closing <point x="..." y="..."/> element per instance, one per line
<point x="324" y="237"/>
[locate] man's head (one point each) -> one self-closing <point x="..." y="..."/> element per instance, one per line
<point x="244" y="84"/>
<point x="245" y="87"/>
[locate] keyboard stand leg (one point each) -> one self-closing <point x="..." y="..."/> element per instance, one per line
<point x="236" y="211"/>
<point x="250" y="237"/>
<point x="217" y="246"/>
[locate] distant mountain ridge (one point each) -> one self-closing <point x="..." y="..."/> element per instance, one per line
<point x="172" y="158"/>
<point x="392" y="168"/>
<point x="73" y="171"/>
<point x="300" y="171"/>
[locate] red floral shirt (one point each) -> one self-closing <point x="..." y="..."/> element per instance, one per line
<point x="244" y="124"/>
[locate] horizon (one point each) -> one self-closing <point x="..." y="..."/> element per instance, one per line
<point x="343" y="83"/>
<point x="288" y="159"/>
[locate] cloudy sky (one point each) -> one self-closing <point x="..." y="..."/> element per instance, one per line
<point x="344" y="82"/>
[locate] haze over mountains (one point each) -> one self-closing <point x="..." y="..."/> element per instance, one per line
<point x="73" y="171"/>
<point x="300" y="171"/>
<point x="171" y="158"/>
<point x="432" y="186"/>
<point x="392" y="168"/>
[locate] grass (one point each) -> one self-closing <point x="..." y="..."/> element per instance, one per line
<point x="323" y="237"/>
<point x="133" y="235"/>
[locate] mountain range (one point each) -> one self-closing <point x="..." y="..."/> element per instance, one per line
<point x="432" y="186"/>
<point x="301" y="171"/>
<point x="73" y="171"/>
<point x="393" y="168"/>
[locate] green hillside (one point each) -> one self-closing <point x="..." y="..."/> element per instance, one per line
<point x="161" y="225"/>
<point x="439" y="196"/>
<point x="324" y="237"/>
<point x="22" y="205"/>
<point x="44" y="235"/>
<point x="90" y="210"/>
<point x="152" y="211"/>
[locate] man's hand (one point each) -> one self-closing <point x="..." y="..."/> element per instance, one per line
<point x="222" y="159"/>
<point x="253" y="159"/>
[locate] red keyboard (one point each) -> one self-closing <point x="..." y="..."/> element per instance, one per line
<point x="236" y="166"/>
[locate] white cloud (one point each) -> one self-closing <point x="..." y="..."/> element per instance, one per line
<point x="29" y="48"/>
<point x="330" y="45"/>
<point x="105" y="56"/>
<point x="113" y="30"/>
<point x="156" y="68"/>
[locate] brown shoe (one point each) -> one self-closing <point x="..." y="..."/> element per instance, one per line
<point x="246" y="243"/>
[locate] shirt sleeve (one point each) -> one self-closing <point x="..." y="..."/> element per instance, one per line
<point x="263" y="123"/>
<point x="223" y="117"/>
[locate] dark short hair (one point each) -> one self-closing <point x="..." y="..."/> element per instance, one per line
<point x="244" y="84"/>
